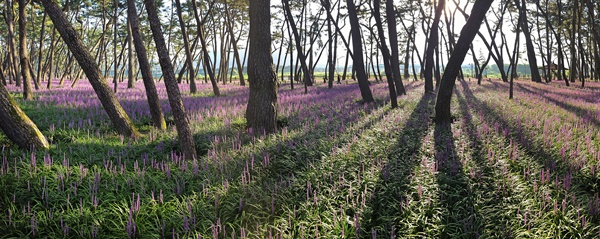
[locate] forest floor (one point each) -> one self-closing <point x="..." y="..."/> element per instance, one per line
<point x="522" y="168"/>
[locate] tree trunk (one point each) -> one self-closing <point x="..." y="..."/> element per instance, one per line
<point x="395" y="57"/>
<point x="206" y="56"/>
<point x="115" y="39"/>
<point x="158" y="118"/>
<point x="186" y="45"/>
<point x="306" y="72"/>
<point x="573" y="42"/>
<point x="595" y="36"/>
<point x="468" y="33"/>
<point x="535" y="74"/>
<point x="432" y="44"/>
<point x="236" y="53"/>
<point x="130" y="57"/>
<point x="17" y="126"/>
<point x="52" y="49"/>
<point x="23" y="54"/>
<point x="386" y="54"/>
<point x="331" y="46"/>
<point x="358" y="61"/>
<point x="184" y="132"/>
<point x="11" y="42"/>
<point x="113" y="108"/>
<point x="41" y="48"/>
<point x="261" y="113"/>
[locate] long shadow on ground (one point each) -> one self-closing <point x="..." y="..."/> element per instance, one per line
<point x="394" y="183"/>
<point x="489" y="208"/>
<point x="547" y="159"/>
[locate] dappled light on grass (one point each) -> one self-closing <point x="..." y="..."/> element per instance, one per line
<point x="337" y="168"/>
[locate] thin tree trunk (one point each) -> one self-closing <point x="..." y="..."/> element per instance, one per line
<point x="395" y="56"/>
<point x="184" y="131"/>
<point x="306" y="72"/>
<point x="130" y="69"/>
<point x="432" y="44"/>
<point x="206" y="56"/>
<point x="11" y="42"/>
<point x="386" y="53"/>
<point x="234" y="45"/>
<point x="358" y="62"/>
<point x="24" y="55"/>
<point x="156" y="112"/>
<point x="188" y="52"/>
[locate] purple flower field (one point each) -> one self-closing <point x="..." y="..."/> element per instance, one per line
<point x="525" y="168"/>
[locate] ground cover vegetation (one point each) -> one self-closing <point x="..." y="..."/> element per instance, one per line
<point x="225" y="119"/>
<point x="522" y="168"/>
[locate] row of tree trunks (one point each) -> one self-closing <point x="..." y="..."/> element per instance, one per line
<point x="113" y="108"/>
<point x="156" y="113"/>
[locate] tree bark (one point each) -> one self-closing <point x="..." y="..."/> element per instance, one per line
<point x="468" y="33"/>
<point x="40" y="49"/>
<point x="11" y="42"/>
<point x="17" y="126"/>
<point x="23" y="54"/>
<point x="186" y="45"/>
<point x="358" y="61"/>
<point x="130" y="69"/>
<point x="184" y="132"/>
<point x="535" y="74"/>
<point x="109" y="101"/>
<point x="395" y="57"/>
<point x="261" y="112"/>
<point x="386" y="54"/>
<point x="158" y="118"/>
<point x="432" y="44"/>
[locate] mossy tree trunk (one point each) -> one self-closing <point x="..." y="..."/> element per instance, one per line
<point x="261" y="113"/>
<point x="17" y="126"/>
<point x="113" y="108"/>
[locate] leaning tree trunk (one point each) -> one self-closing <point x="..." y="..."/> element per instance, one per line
<point x="158" y="118"/>
<point x="186" y="45"/>
<point x="535" y="73"/>
<point x="467" y="34"/>
<point x="109" y="101"/>
<point x="395" y="57"/>
<point x="432" y="44"/>
<point x="184" y="131"/>
<point x="305" y="71"/>
<point x="386" y="54"/>
<point x="23" y="54"/>
<point x="17" y="126"/>
<point x="358" y="61"/>
<point x="205" y="55"/>
<point x="261" y="113"/>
